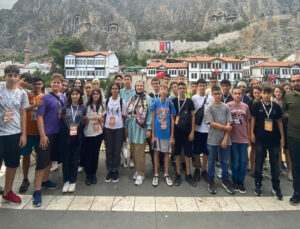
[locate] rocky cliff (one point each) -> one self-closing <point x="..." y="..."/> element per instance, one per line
<point x="114" y="24"/>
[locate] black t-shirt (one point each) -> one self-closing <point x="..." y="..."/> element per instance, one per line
<point x="251" y="106"/>
<point x="270" y="137"/>
<point x="227" y="99"/>
<point x="185" y="112"/>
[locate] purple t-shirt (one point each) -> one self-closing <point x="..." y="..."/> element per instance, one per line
<point x="50" y="111"/>
<point x="240" y="116"/>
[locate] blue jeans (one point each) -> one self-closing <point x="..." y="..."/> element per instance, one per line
<point x="212" y="156"/>
<point x="238" y="161"/>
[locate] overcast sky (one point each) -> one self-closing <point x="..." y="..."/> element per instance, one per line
<point x="6" y="4"/>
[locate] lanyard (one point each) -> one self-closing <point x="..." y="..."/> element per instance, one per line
<point x="157" y="95"/>
<point x="225" y="98"/>
<point x="268" y="114"/>
<point x="180" y="108"/>
<point x="9" y="98"/>
<point x="74" y="116"/>
<point x="163" y="108"/>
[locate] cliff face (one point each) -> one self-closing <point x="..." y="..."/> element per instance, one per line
<point x="112" y="24"/>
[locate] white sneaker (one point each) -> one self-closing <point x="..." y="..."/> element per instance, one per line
<point x="80" y="169"/>
<point x="220" y="173"/>
<point x="139" y="180"/>
<point x="66" y="186"/>
<point x="168" y="180"/>
<point x="131" y="164"/>
<point x="155" y="181"/>
<point x="54" y="166"/>
<point x="135" y="175"/>
<point x="290" y="176"/>
<point x="72" y="187"/>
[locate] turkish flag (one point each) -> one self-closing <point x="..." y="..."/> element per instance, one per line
<point x="160" y="75"/>
<point x="272" y="78"/>
<point x="161" y="46"/>
<point x="216" y="72"/>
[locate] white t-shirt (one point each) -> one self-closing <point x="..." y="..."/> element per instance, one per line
<point x="198" y="102"/>
<point x="114" y="114"/>
<point x="89" y="130"/>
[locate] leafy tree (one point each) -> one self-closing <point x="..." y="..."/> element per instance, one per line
<point x="62" y="46"/>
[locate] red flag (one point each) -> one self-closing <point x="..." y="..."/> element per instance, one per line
<point x="161" y="46"/>
<point x="272" y="78"/>
<point x="216" y="72"/>
<point x="160" y="75"/>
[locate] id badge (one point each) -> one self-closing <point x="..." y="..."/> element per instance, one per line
<point x="9" y="116"/>
<point x="112" y="121"/>
<point x="96" y="127"/>
<point x="59" y="114"/>
<point x="177" y="120"/>
<point x="269" y="125"/>
<point x="73" y="130"/>
<point x="33" y="115"/>
<point x="163" y="124"/>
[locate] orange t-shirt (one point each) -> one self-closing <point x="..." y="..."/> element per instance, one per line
<point x="31" y="123"/>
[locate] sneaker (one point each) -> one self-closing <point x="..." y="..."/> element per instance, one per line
<point x="115" y="176"/>
<point x="80" y="169"/>
<point x="72" y="187"/>
<point x="212" y="187"/>
<point x="295" y="199"/>
<point x="258" y="190"/>
<point x="177" y="180"/>
<point x="108" y="177"/>
<point x="1" y="190"/>
<point x="226" y="184"/>
<point x="219" y="173"/>
<point x="197" y="175"/>
<point x="139" y="180"/>
<point x="11" y="198"/>
<point x="49" y="184"/>
<point x="277" y="194"/>
<point x="168" y="180"/>
<point x="204" y="175"/>
<point x="235" y="187"/>
<point x="94" y="179"/>
<point x="290" y="176"/>
<point x="131" y="164"/>
<point x="283" y="166"/>
<point x="135" y="175"/>
<point x="54" y="167"/>
<point x="66" y="186"/>
<point x="24" y="186"/>
<point x="190" y="180"/>
<point x="37" y="199"/>
<point x="88" y="180"/>
<point x="242" y="188"/>
<point x="155" y="181"/>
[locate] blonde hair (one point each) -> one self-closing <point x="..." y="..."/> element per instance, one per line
<point x="57" y="76"/>
<point x="165" y="86"/>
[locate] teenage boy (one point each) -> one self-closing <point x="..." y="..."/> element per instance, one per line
<point x="128" y="91"/>
<point x="240" y="137"/>
<point x="88" y="87"/>
<point x="267" y="135"/>
<point x="226" y="86"/>
<point x="119" y="80"/>
<point x="219" y="118"/>
<point x="173" y="87"/>
<point x="167" y="79"/>
<point x="201" y="101"/>
<point x="49" y="126"/>
<point x="163" y="112"/>
<point x="13" y="104"/>
<point x="212" y="83"/>
<point x="193" y="88"/>
<point x="25" y="81"/>
<point x="183" y="133"/>
<point x="33" y="138"/>
<point x="155" y="86"/>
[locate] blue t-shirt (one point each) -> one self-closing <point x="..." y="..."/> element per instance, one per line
<point x="162" y="114"/>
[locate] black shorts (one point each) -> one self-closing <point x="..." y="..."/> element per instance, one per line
<point x="10" y="151"/>
<point x="44" y="157"/>
<point x="200" y="143"/>
<point x="182" y="140"/>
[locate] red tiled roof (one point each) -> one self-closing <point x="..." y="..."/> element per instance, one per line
<point x="256" y="57"/>
<point x="277" y="64"/>
<point x="211" y="58"/>
<point x="92" y="53"/>
<point x="168" y="65"/>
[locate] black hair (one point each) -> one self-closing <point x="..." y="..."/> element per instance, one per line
<point x="215" y="88"/>
<point x="27" y="77"/>
<point x="235" y="87"/>
<point x="37" y="79"/>
<point x="155" y="79"/>
<point x="78" y="90"/>
<point x="280" y="88"/>
<point x="194" y="83"/>
<point x="114" y="84"/>
<point x="99" y="102"/>
<point x="226" y="82"/>
<point x="118" y="76"/>
<point x="128" y="76"/>
<point x="213" y="78"/>
<point x="81" y="87"/>
<point x="181" y="84"/>
<point x="201" y="81"/>
<point x="172" y="83"/>
<point x="257" y="87"/>
<point x="11" y="69"/>
<point x="267" y="88"/>
<point x="167" y="75"/>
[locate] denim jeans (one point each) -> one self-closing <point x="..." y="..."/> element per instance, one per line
<point x="238" y="161"/>
<point x="261" y="153"/>
<point x="212" y="155"/>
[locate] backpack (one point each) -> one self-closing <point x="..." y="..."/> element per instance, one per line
<point x="121" y="103"/>
<point x="200" y="113"/>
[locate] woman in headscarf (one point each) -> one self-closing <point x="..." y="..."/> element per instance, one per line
<point x="138" y="128"/>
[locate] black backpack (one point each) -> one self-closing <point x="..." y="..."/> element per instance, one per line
<point x="200" y="113"/>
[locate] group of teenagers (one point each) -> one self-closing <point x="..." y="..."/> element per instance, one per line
<point x="69" y="124"/>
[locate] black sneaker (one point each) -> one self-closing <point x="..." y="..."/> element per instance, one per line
<point x="177" y="180"/>
<point x="226" y="184"/>
<point x="24" y="186"/>
<point x="94" y="179"/>
<point x="204" y="175"/>
<point x="115" y="176"/>
<point x="277" y="194"/>
<point x="295" y="199"/>
<point x="258" y="190"/>
<point x="235" y="187"/>
<point x="189" y="178"/>
<point x="242" y="188"/>
<point x="88" y="180"/>
<point x="108" y="177"/>
<point x="1" y="190"/>
<point x="212" y="187"/>
<point x="197" y="175"/>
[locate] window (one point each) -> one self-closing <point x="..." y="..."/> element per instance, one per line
<point x="194" y="76"/>
<point x="226" y="66"/>
<point x="208" y="65"/>
<point x="220" y="65"/>
<point x="193" y="65"/>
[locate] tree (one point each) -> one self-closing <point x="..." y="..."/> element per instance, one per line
<point x="62" y="46"/>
